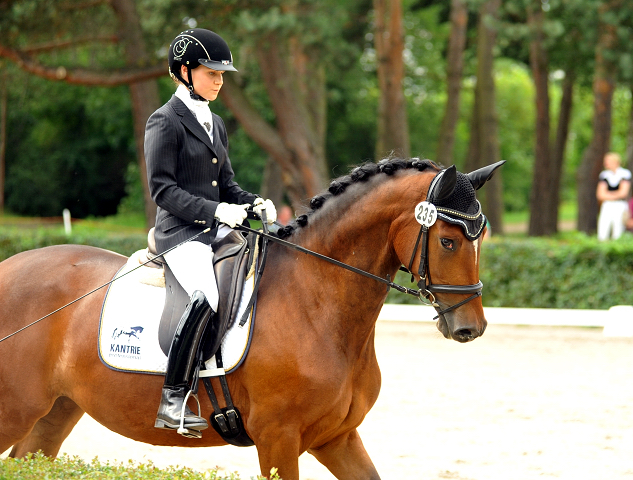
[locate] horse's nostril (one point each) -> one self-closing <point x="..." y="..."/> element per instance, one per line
<point x="464" y="335"/>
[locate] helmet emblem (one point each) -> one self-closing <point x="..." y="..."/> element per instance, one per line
<point x="225" y="62"/>
<point x="180" y="47"/>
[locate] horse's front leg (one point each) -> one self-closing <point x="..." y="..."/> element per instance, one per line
<point x="346" y="458"/>
<point x="279" y="448"/>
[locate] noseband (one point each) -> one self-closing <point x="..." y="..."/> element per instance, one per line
<point x="426" y="214"/>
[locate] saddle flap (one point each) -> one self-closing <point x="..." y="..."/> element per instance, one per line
<point x="231" y="265"/>
<point x="233" y="256"/>
<point x="228" y="246"/>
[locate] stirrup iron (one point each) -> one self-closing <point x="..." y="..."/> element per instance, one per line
<point x="189" y="432"/>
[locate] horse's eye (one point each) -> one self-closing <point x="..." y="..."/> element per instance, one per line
<point x="447" y="243"/>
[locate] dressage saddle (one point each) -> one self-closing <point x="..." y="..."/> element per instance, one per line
<point x="234" y="257"/>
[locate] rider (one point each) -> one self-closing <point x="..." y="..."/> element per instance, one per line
<point x="191" y="180"/>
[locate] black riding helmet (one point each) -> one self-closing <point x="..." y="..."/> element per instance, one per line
<point x="198" y="46"/>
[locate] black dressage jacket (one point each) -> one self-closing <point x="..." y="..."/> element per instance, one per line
<point x="188" y="176"/>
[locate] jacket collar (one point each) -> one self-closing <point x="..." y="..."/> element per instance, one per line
<point x="190" y="122"/>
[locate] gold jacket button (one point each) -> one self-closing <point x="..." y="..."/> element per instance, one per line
<point x="214" y="183"/>
<point x="215" y="160"/>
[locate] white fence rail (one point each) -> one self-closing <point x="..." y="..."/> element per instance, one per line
<point x="617" y="321"/>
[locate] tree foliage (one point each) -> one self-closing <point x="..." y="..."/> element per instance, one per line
<point x="325" y="117"/>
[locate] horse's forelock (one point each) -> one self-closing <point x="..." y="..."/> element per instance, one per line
<point x="359" y="174"/>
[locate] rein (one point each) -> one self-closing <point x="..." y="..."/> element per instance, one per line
<point x="426" y="290"/>
<point x="387" y="281"/>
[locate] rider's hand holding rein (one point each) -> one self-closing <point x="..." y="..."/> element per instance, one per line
<point x="231" y="214"/>
<point x="271" y="212"/>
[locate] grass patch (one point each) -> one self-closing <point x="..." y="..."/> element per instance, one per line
<point x="38" y="467"/>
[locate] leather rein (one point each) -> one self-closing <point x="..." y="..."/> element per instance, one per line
<point x="426" y="289"/>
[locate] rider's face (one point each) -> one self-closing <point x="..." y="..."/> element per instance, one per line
<point x="206" y="82"/>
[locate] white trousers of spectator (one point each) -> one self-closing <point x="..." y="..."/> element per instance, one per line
<point x="611" y="219"/>
<point x="192" y="265"/>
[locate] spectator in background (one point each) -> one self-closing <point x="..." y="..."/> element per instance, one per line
<point x="614" y="184"/>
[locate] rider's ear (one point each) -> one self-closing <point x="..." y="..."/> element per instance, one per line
<point x="446" y="183"/>
<point x="481" y="176"/>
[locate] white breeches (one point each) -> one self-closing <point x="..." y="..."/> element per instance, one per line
<point x="192" y="265"/>
<point x="611" y="219"/>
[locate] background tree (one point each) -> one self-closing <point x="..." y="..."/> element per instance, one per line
<point x="3" y="132"/>
<point x="98" y="26"/>
<point x="603" y="88"/>
<point x="322" y="103"/>
<point x="454" y="77"/>
<point x="484" y="135"/>
<point x="393" y="128"/>
<point x="545" y="221"/>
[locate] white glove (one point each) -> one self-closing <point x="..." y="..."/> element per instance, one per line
<point x="230" y="213"/>
<point x="271" y="212"/>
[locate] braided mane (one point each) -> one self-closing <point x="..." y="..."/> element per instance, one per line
<point x="359" y="174"/>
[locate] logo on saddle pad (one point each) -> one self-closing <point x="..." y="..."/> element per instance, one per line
<point x="119" y="349"/>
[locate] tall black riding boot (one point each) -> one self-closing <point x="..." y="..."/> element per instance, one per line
<point x="183" y="355"/>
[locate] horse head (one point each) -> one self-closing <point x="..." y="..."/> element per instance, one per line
<point x="449" y="230"/>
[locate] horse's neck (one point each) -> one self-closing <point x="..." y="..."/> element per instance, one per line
<point x="357" y="234"/>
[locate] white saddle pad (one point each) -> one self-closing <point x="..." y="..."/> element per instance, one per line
<point x="130" y="316"/>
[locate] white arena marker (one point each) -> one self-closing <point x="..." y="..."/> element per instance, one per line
<point x="619" y="322"/>
<point x="67" y="225"/>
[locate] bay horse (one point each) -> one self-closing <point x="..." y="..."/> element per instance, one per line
<point x="311" y="374"/>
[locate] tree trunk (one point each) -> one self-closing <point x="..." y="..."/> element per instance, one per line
<point x="473" y="159"/>
<point x="393" y="128"/>
<point x="489" y="151"/>
<point x="271" y="182"/>
<point x="296" y="87"/>
<point x="3" y="132"/>
<point x="300" y="118"/>
<point x="629" y="139"/>
<point x="592" y="161"/>
<point x="557" y="156"/>
<point x="454" y="70"/>
<point x="144" y="95"/>
<point x="145" y="101"/>
<point x="542" y="220"/>
<point x="266" y="136"/>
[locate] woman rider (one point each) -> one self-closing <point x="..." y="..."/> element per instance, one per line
<point x="191" y="180"/>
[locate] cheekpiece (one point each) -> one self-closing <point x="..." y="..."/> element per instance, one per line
<point x="461" y="207"/>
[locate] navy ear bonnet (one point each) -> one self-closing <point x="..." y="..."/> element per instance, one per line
<point x="460" y="207"/>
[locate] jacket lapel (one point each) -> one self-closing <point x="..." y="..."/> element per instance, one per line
<point x="190" y="122"/>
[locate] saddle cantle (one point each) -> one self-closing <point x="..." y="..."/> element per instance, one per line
<point x="233" y="258"/>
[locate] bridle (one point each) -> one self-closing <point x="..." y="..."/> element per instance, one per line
<point x="427" y="214"/>
<point x="427" y="289"/>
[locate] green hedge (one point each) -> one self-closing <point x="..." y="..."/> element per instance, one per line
<point x="571" y="271"/>
<point x="14" y="241"/>
<point x="574" y="271"/>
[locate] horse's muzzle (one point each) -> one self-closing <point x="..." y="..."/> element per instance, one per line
<point x="461" y="332"/>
